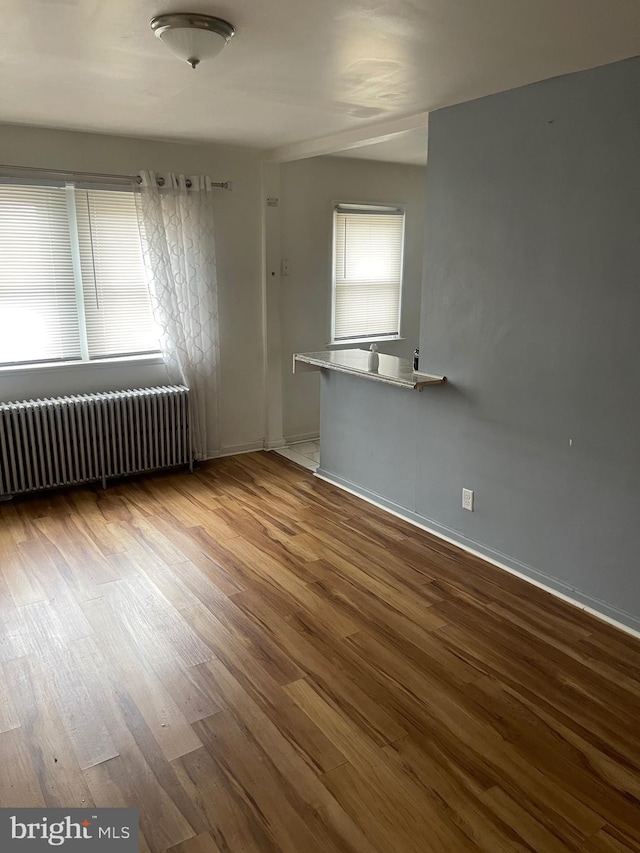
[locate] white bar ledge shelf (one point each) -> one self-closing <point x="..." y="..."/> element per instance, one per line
<point x="391" y="369"/>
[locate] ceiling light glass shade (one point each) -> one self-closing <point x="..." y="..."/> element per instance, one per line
<point x="193" y="37"/>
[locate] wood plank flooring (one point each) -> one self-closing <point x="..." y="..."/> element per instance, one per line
<point x="261" y="663"/>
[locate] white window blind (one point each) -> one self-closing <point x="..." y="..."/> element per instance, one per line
<point x="368" y="256"/>
<point x="116" y="297"/>
<point x="38" y="319"/>
<point x="72" y="278"/>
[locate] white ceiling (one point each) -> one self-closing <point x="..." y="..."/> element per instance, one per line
<point x="297" y="69"/>
<point x="409" y="147"/>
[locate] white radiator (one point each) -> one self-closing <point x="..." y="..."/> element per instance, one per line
<point x="65" y="440"/>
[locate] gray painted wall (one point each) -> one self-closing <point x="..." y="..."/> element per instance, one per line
<point x="531" y="306"/>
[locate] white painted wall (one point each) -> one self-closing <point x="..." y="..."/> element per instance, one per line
<point x="238" y="242"/>
<point x="308" y="190"/>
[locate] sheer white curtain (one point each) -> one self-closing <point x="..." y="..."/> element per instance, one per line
<point x="175" y="214"/>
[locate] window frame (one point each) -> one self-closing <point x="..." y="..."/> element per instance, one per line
<point x="69" y="184"/>
<point x="369" y="338"/>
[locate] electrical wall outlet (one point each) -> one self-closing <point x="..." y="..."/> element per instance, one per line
<point x="467" y="499"/>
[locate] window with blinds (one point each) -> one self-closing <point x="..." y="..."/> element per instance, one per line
<point x="367" y="272"/>
<point x="116" y="297"/>
<point x="72" y="278"/>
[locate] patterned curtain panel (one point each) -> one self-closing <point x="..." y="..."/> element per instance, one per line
<point x="175" y="214"/>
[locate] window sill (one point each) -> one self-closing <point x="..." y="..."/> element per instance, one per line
<point x="17" y="369"/>
<point x="357" y="341"/>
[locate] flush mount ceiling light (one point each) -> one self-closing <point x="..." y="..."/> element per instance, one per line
<point x="193" y="37"/>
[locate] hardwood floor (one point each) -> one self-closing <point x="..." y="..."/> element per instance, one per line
<point x="260" y="662"/>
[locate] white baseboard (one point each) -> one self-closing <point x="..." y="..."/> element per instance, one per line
<point x="235" y="450"/>
<point x="620" y="619"/>
<point x="305" y="436"/>
<point x="274" y="444"/>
